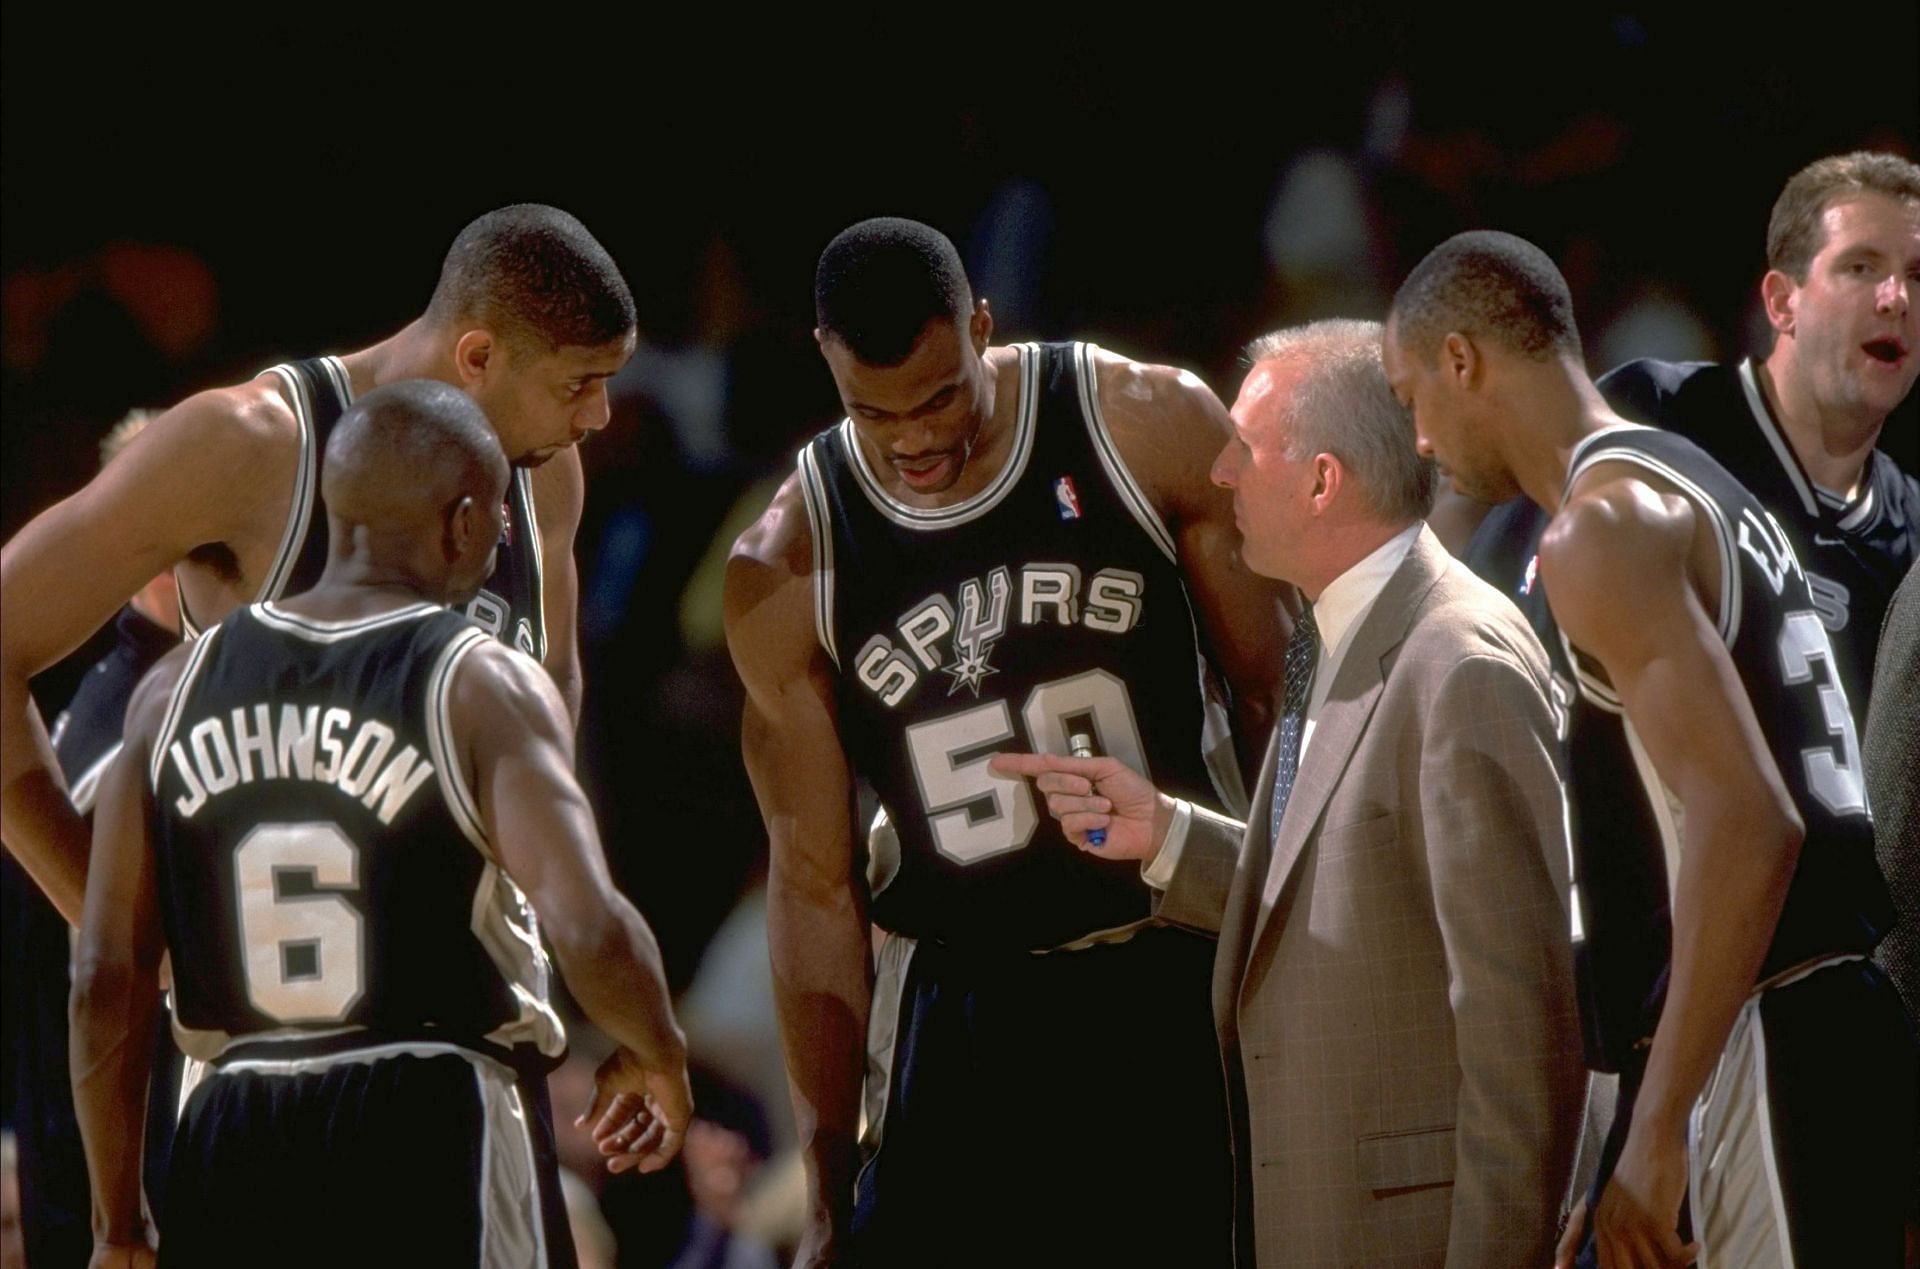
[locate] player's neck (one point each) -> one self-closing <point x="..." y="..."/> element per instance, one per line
<point x="415" y="351"/>
<point x="355" y="586"/>
<point x="1559" y="411"/>
<point x="1832" y="445"/>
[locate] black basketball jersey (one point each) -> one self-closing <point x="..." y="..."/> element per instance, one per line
<point x="1837" y="901"/>
<point x="509" y="607"/>
<point x="86" y="736"/>
<point x="1048" y="604"/>
<point x="1854" y="551"/>
<point x="322" y="866"/>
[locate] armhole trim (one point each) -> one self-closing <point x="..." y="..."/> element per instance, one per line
<point x="1122" y="480"/>
<point x="820" y="524"/>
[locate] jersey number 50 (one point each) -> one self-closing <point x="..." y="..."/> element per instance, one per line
<point x="302" y="952"/>
<point x="974" y="814"/>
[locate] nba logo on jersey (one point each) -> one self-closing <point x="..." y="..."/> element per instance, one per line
<point x="1068" y="497"/>
<point x="1533" y="572"/>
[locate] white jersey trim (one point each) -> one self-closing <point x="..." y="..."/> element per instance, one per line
<point x="300" y="513"/>
<point x="440" y="742"/>
<point x="523" y="479"/>
<point x="87" y="788"/>
<point x="314" y="630"/>
<point x="1593" y="450"/>
<point x="170" y="720"/>
<point x="1763" y="416"/>
<point x="1118" y="475"/>
<point x="925" y="519"/>
<point x="820" y="523"/>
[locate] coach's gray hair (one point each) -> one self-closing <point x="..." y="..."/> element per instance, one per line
<point x="1343" y="406"/>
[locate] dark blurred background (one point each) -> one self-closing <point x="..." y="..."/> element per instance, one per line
<point x="183" y="202"/>
<point x="183" y="206"/>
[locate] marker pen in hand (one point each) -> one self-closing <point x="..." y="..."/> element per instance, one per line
<point x="1082" y="746"/>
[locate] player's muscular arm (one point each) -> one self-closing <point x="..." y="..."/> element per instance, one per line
<point x="178" y="486"/>
<point x="1619" y="567"/>
<point x="559" y="492"/>
<point x="115" y="974"/>
<point x="519" y="747"/>
<point x="1169" y="428"/>
<point x="816" y="915"/>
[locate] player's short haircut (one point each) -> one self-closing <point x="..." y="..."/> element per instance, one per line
<point x="881" y="281"/>
<point x="121" y="434"/>
<point x="1487" y="285"/>
<point x="1342" y="406"/>
<point x="533" y="273"/>
<point x="410" y="449"/>
<point x="1795" y="233"/>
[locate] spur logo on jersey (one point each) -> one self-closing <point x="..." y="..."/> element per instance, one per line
<point x="958" y="638"/>
<point x="307" y="744"/>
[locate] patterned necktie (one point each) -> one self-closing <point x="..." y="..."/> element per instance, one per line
<point x="1303" y="654"/>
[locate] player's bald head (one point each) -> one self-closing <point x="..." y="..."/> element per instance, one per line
<point x="1490" y="287"/>
<point x="406" y="453"/>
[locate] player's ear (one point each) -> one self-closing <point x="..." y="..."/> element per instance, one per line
<point x="461" y="526"/>
<point x="1777" y="293"/>
<point x="980" y="327"/>
<point x="1460" y="360"/>
<point x="473" y="353"/>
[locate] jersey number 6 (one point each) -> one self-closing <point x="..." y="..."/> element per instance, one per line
<point x="974" y="814"/>
<point x="301" y="952"/>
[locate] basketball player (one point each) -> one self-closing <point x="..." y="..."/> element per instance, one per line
<point x="326" y="810"/>
<point x="1799" y="428"/>
<point x="997" y="546"/>
<point x="86" y="735"/>
<point x="530" y="316"/>
<point x="1777" y="1073"/>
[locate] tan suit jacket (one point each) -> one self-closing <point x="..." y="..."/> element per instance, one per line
<point x="1394" y="980"/>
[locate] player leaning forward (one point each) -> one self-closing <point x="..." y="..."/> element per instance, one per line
<point x="999" y="546"/>
<point x="326" y="810"/>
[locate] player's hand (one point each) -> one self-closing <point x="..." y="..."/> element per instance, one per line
<point x="1089" y="793"/>
<point x="1639" y="1213"/>
<point x="642" y="1112"/>
<point x="122" y="1256"/>
<point x="1568" y="1249"/>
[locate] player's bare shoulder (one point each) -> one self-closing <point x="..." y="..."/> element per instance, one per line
<point x="769" y="587"/>
<point x="1617" y="544"/>
<point x="1166" y="423"/>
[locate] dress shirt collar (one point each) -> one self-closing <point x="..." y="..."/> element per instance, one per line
<point x="1348" y="597"/>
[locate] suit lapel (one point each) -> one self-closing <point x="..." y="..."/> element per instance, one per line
<point x="1342" y="720"/>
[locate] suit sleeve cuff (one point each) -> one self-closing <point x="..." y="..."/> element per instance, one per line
<point x="1158" y="872"/>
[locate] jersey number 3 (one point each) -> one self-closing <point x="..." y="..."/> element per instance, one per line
<point x="1835" y="780"/>
<point x="302" y="951"/>
<point x="972" y="813"/>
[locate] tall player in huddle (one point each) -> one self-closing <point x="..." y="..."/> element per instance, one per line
<point x="530" y="317"/>
<point x="1768" y="1076"/>
<point x="997" y="546"/>
<point x="317" y="811"/>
